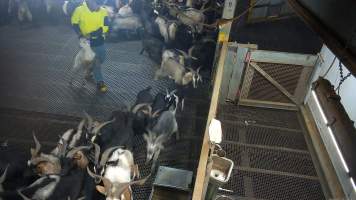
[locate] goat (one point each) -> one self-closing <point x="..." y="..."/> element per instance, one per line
<point x="2" y="179"/>
<point x="125" y="11"/>
<point x="141" y="111"/>
<point x="167" y="28"/>
<point x="178" y="73"/>
<point x="132" y="23"/>
<point x="110" y="10"/>
<point x="53" y="187"/>
<point x="173" y="99"/>
<point x="203" y="51"/>
<point x="153" y="47"/>
<point x="83" y="60"/>
<point x="69" y="6"/>
<point x="44" y="163"/>
<point x="192" y="17"/>
<point x="163" y="28"/>
<point x="118" y="133"/>
<point x="72" y="138"/>
<point x="117" y="174"/>
<point x="53" y="164"/>
<point x="14" y="160"/>
<point x="161" y="132"/>
<point x="93" y="127"/>
<point x="23" y="10"/>
<point x="180" y="56"/>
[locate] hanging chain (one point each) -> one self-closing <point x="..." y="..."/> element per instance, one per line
<point x="342" y="77"/>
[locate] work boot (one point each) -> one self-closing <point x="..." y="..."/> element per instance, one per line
<point x="102" y="87"/>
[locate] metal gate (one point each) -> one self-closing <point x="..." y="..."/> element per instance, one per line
<point x="276" y="79"/>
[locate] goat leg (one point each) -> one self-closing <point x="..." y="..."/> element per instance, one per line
<point x="158" y="74"/>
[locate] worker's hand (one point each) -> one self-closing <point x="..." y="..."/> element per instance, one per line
<point x="96" y="34"/>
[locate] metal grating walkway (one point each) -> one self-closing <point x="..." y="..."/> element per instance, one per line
<point x="35" y="95"/>
<point x="35" y="71"/>
<point x="270" y="154"/>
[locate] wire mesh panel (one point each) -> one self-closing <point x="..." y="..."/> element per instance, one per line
<point x="270" y="117"/>
<point x="275" y="79"/>
<point x="270" y="162"/>
<point x="275" y="137"/>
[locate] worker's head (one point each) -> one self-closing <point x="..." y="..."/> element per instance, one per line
<point x="93" y="5"/>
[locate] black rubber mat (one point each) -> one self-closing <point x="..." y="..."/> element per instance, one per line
<point x="271" y="159"/>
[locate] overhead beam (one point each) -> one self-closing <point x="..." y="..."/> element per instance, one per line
<point x="331" y="40"/>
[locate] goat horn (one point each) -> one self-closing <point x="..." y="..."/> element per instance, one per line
<point x="208" y="40"/>
<point x="5" y="143"/>
<point x="94" y="175"/>
<point x="199" y="69"/>
<point x="173" y="92"/>
<point x="37" y="145"/>
<point x="149" y="110"/>
<point x="43" y="158"/>
<point x="185" y="55"/>
<point x="81" y="125"/>
<point x="156" y="113"/>
<point x="106" y="154"/>
<point x="71" y="153"/>
<point x="97" y="153"/>
<point x="3" y="176"/>
<point x="123" y="186"/>
<point x="22" y="195"/>
<point x="63" y="148"/>
<point x="138" y="107"/>
<point x="190" y="51"/>
<point x="89" y="119"/>
<point x="100" y="126"/>
<point x="190" y="69"/>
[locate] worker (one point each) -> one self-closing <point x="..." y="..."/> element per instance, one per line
<point x="91" y="21"/>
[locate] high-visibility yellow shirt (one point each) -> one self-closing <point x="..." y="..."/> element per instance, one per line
<point x="89" y="21"/>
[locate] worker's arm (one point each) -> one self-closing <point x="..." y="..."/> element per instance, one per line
<point x="75" y="20"/>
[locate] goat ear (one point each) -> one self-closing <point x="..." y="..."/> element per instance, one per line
<point x="33" y="152"/>
<point x="145" y="137"/>
<point x="77" y="156"/>
<point x="101" y="189"/>
<point x="160" y="139"/>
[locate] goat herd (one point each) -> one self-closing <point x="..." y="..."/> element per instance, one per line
<point x="180" y="38"/>
<point x="95" y="159"/>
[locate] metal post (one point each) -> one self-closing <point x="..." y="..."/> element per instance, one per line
<point x="228" y="13"/>
<point x="224" y="30"/>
